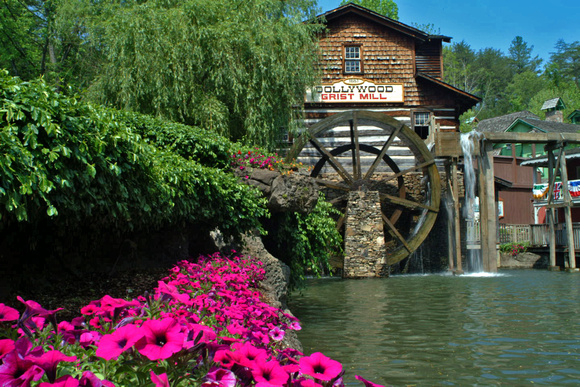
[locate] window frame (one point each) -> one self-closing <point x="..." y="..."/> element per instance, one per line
<point x="345" y="59"/>
<point x="426" y="124"/>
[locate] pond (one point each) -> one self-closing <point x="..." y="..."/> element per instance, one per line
<point x="517" y="327"/>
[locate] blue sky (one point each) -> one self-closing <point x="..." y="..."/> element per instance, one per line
<point x="494" y="23"/>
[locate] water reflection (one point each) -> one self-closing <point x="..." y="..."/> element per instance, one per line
<point x="511" y="329"/>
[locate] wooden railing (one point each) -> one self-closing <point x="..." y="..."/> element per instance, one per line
<point x="535" y="234"/>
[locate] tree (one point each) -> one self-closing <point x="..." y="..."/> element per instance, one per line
<point x="522" y="88"/>
<point x="239" y="68"/>
<point x="521" y="57"/>
<point x="387" y="8"/>
<point x="458" y="62"/>
<point x="38" y="38"/>
<point x="564" y="65"/>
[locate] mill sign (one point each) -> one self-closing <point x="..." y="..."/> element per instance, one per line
<point x="353" y="90"/>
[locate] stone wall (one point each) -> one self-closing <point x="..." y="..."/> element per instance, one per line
<point x="364" y="240"/>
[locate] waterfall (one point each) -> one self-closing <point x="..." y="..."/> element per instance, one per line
<point x="474" y="259"/>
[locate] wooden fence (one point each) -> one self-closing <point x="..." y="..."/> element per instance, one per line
<point x="534" y="234"/>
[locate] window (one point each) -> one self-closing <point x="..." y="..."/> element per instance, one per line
<point x="352" y="59"/>
<point x="421" y="124"/>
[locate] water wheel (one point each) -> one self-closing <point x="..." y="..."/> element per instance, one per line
<point x="355" y="145"/>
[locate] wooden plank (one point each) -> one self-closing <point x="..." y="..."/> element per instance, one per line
<point x="397" y="233"/>
<point x="332" y="160"/>
<point x="379" y="158"/>
<point x="567" y="211"/>
<point x="531" y="138"/>
<point x="407" y="203"/>
<point x="487" y="209"/>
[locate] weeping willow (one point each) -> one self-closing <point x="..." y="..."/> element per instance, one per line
<point x="239" y="68"/>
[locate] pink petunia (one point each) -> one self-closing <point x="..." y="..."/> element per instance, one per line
<point x="6" y="346"/>
<point x="8" y="314"/>
<point x="161" y="339"/>
<point x="112" y="345"/>
<point x="247" y="354"/>
<point x="64" y="381"/>
<point x="320" y="367"/>
<point x="159" y="380"/>
<point x="276" y="334"/>
<point x="18" y="371"/>
<point x="91" y="380"/>
<point x="49" y="360"/>
<point x="367" y="383"/>
<point x="219" y="377"/>
<point x="269" y="372"/>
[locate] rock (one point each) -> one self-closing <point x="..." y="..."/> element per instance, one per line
<point x="275" y="286"/>
<point x="285" y="193"/>
<point x="293" y="193"/>
<point x="525" y="260"/>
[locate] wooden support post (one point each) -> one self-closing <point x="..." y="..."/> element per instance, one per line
<point x="451" y="217"/>
<point x="567" y="210"/>
<point x="456" y="218"/>
<point x="487" y="208"/>
<point x="551" y="211"/>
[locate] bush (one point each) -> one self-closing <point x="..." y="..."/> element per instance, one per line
<point x="514" y="248"/>
<point x="76" y="164"/>
<point x="306" y="242"/>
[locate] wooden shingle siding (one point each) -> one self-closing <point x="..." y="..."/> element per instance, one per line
<point x="428" y="59"/>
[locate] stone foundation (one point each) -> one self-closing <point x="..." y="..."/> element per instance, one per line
<point x="364" y="241"/>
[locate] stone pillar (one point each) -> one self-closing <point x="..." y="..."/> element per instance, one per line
<point x="364" y="243"/>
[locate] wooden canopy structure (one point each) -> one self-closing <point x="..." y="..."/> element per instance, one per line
<point x="554" y="143"/>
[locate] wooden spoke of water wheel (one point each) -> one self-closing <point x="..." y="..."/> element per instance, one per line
<point x="354" y="177"/>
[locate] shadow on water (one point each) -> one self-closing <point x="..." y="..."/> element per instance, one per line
<point x="511" y="328"/>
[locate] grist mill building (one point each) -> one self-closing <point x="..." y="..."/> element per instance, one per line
<point x="370" y="128"/>
<point x="371" y="62"/>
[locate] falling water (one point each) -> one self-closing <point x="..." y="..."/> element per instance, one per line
<point x="474" y="260"/>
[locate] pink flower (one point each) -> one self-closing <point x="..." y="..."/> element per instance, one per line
<point x="367" y="383"/>
<point x="219" y="377"/>
<point x="91" y="380"/>
<point x="6" y="346"/>
<point x="161" y="339"/>
<point x="246" y="355"/>
<point x="320" y="367"/>
<point x="49" y="360"/>
<point x="114" y="344"/>
<point x="276" y="333"/>
<point x="64" y="381"/>
<point x="159" y="380"/>
<point x="269" y="372"/>
<point x="8" y="314"/>
<point x="18" y="371"/>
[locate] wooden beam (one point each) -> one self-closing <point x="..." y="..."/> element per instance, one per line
<point x="386" y="146"/>
<point x="531" y="138"/>
<point x="567" y="210"/>
<point x="487" y="208"/>
<point x="406" y="203"/>
<point x="456" y="217"/>
<point x="332" y="160"/>
<point x="551" y="211"/>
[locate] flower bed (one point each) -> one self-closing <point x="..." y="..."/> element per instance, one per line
<point x="203" y="326"/>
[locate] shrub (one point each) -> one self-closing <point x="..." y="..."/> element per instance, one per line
<point x="75" y="164"/>
<point x="514" y="248"/>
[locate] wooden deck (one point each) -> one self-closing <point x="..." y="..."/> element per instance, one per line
<point x="536" y="235"/>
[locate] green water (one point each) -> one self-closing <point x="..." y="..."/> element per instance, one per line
<point x="518" y="328"/>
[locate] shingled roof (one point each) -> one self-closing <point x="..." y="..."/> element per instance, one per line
<point x="548" y="126"/>
<point x="501" y="123"/>
<point x="554" y="103"/>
